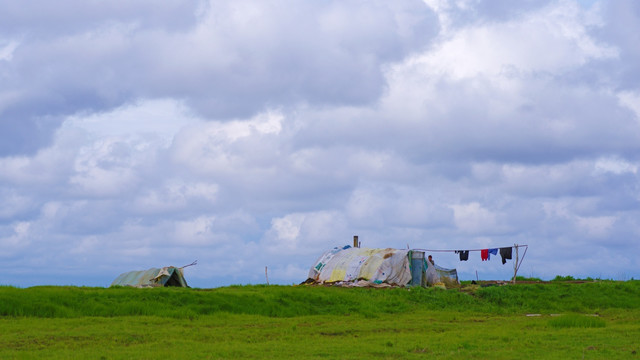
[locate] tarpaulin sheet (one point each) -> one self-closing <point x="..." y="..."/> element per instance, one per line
<point x="349" y="264"/>
<point x="166" y="276"/>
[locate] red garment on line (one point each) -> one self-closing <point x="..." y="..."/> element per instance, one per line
<point x="484" y="254"/>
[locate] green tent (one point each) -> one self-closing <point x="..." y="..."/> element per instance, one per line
<point x="167" y="276"/>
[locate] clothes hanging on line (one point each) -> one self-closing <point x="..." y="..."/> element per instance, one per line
<point x="505" y="253"/>
<point x="464" y="254"/>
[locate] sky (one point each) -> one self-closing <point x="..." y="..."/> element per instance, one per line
<point x="250" y="134"/>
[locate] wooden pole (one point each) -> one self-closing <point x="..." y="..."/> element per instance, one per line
<point x="515" y="265"/>
<point x="355" y="241"/>
<point x="266" y="275"/>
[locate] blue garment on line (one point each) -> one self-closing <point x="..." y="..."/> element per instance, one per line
<point x="492" y="251"/>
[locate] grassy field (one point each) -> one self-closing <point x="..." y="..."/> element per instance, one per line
<point x="592" y="320"/>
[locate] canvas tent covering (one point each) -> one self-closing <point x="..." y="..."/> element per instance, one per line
<point x="375" y="267"/>
<point x="166" y="276"/>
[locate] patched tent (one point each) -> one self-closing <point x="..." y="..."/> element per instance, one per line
<point x="166" y="276"/>
<point x="348" y="266"/>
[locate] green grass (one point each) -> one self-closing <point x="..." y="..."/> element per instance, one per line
<point x="575" y="320"/>
<point x="522" y="278"/>
<point x="275" y="322"/>
<point x="290" y="301"/>
<point x="416" y="335"/>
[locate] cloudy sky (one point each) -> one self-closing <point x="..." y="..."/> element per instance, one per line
<point x="245" y="134"/>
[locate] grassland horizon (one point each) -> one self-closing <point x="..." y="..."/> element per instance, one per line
<point x="556" y="319"/>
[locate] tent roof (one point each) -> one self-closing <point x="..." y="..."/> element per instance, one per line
<point x="154" y="277"/>
<point x="375" y="266"/>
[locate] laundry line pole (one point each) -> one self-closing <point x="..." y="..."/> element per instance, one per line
<point x="515" y="265"/>
<point x="519" y="260"/>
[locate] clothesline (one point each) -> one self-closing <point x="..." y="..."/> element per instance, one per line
<point x="447" y="250"/>
<point x="505" y="253"/>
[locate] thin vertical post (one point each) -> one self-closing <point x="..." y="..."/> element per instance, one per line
<point x="355" y="241"/>
<point x="266" y="275"/>
<point x="515" y="265"/>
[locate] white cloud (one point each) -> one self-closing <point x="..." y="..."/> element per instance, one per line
<point x="208" y="59"/>
<point x="616" y="166"/>
<point x="631" y="100"/>
<point x="86" y="245"/>
<point x="504" y="49"/>
<point x="13" y="203"/>
<point x="107" y="167"/>
<point x="187" y="131"/>
<point x="175" y="196"/>
<point x="16" y="240"/>
<point x="304" y="233"/>
<point x="47" y="167"/>
<point x="287" y="230"/>
<point x="198" y="231"/>
<point x="366" y="204"/>
<point x="7" y="48"/>
<point x="596" y="226"/>
<point x="154" y="117"/>
<point x="473" y="218"/>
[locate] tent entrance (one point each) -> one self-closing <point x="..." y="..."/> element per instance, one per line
<point x="175" y="279"/>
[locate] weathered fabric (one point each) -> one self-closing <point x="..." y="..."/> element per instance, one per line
<point x="374" y="266"/>
<point x="452" y="274"/>
<point x="166" y="276"/>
